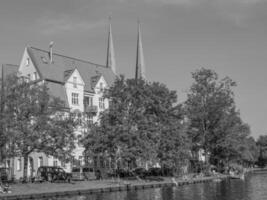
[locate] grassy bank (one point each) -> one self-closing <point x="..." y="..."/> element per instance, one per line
<point x="39" y="190"/>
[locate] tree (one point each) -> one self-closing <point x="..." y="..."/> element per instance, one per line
<point x="215" y="123"/>
<point x="262" y="145"/>
<point x="251" y="152"/>
<point x="229" y="144"/>
<point x="36" y="121"/>
<point x="174" y="146"/>
<point x="2" y="133"/>
<point x="140" y="118"/>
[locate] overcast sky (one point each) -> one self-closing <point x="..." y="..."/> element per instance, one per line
<point x="179" y="36"/>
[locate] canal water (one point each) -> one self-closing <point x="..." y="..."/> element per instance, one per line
<point x="254" y="187"/>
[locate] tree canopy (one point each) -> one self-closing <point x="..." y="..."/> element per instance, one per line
<point x="215" y="123"/>
<point x="142" y="121"/>
<point x="262" y="145"/>
<point x="144" y="124"/>
<point x="35" y="121"/>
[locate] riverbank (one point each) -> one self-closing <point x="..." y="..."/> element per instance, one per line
<point x="44" y="190"/>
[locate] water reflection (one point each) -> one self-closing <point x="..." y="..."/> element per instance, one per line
<point x="253" y="188"/>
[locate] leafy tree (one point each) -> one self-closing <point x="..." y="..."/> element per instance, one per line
<point x="138" y="122"/>
<point x="215" y="125"/>
<point x="251" y="151"/>
<point x="36" y="121"/>
<point x="174" y="146"/>
<point x="2" y="133"/>
<point x="262" y="145"/>
<point x="229" y="144"/>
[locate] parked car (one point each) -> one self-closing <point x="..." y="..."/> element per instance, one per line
<point x="83" y="173"/>
<point x="89" y="173"/>
<point x="167" y="171"/>
<point x="3" y="174"/>
<point x="51" y="174"/>
<point x="111" y="173"/>
<point x="141" y="172"/>
<point x="76" y="173"/>
<point x="123" y="173"/>
<point x="155" y="171"/>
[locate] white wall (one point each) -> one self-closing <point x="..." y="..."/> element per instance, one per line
<point x="98" y="94"/>
<point x="79" y="90"/>
<point x="25" y="69"/>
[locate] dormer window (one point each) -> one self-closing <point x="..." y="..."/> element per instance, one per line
<point x="75" y="82"/>
<point x="27" y="62"/>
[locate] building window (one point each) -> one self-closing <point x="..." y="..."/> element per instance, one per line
<point x="101" y="87"/>
<point x="80" y="160"/>
<point x="55" y="163"/>
<point x="8" y="163"/>
<point x="29" y="77"/>
<point x="101" y="103"/>
<point x="40" y="161"/>
<point x="88" y="101"/>
<point x="89" y="119"/>
<point x="27" y="62"/>
<point x="75" y="98"/>
<point x="75" y="82"/>
<point x="34" y="75"/>
<point x="19" y="164"/>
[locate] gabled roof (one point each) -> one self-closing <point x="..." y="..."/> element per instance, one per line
<point x="67" y="74"/>
<point x="8" y="69"/>
<point x="94" y="80"/>
<point x="56" y="70"/>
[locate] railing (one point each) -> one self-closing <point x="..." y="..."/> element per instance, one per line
<point x="91" y="109"/>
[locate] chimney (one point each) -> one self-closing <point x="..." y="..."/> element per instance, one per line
<point x="51" y="51"/>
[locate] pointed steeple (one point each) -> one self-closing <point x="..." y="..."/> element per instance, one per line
<point x="111" y="63"/>
<point x="140" y="61"/>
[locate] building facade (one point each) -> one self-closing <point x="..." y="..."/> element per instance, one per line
<point x="79" y="83"/>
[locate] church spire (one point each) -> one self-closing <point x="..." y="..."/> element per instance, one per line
<point x="111" y="63"/>
<point x="140" y="61"/>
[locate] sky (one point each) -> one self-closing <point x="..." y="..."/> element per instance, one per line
<point x="179" y="36"/>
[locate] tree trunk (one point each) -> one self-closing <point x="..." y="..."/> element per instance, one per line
<point x="13" y="169"/>
<point x="25" y="167"/>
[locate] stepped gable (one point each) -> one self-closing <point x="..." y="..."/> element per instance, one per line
<point x="56" y="70"/>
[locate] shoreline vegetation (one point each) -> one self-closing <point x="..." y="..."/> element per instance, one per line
<point x="46" y="189"/>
